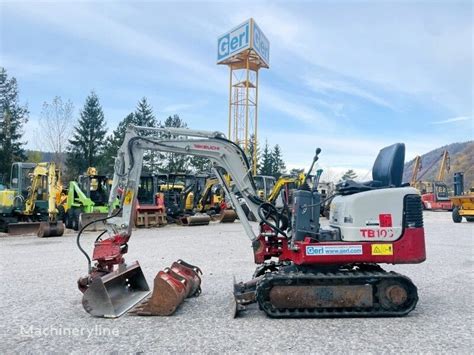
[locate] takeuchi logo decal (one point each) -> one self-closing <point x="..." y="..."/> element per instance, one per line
<point x="206" y="147"/>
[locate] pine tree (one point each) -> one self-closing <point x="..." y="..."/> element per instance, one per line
<point x="143" y="116"/>
<point x="278" y="165"/>
<point x="266" y="167"/>
<point x="12" y="118"/>
<point x="88" y="139"/>
<point x="172" y="162"/>
<point x="349" y="175"/>
<point x="114" y="142"/>
<point x="250" y="153"/>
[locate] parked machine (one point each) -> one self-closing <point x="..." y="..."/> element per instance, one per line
<point x="32" y="203"/>
<point x="180" y="192"/>
<point x="463" y="203"/>
<point x="434" y="194"/>
<point x="150" y="205"/>
<point x="303" y="270"/>
<point x="87" y="200"/>
<point x="264" y="185"/>
<point x="212" y="201"/>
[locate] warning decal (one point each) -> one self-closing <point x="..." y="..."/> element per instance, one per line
<point x="128" y="197"/>
<point x="382" y="249"/>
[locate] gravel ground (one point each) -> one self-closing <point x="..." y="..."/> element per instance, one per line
<point x="41" y="307"/>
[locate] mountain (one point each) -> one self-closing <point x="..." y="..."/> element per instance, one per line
<point x="461" y="160"/>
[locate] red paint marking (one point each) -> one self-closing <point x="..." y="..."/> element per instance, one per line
<point x="385" y="220"/>
<point x="206" y="147"/>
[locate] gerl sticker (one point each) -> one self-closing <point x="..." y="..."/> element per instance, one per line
<point x="382" y="249"/>
<point x="334" y="250"/>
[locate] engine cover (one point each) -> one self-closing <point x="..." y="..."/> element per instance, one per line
<point x="375" y="215"/>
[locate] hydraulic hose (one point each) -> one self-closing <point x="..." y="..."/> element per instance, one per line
<point x="78" y="238"/>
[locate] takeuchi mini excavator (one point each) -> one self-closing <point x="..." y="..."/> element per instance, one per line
<point x="303" y="270"/>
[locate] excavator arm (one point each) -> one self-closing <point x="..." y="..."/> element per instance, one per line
<point x="110" y="279"/>
<point x="212" y="145"/>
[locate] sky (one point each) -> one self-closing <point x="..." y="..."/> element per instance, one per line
<point x="349" y="77"/>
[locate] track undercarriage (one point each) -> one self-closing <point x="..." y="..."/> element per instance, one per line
<point x="345" y="291"/>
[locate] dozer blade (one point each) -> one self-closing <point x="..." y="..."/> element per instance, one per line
<point x="112" y="295"/>
<point x="85" y="218"/>
<point x="196" y="220"/>
<point x="23" y="228"/>
<point x="227" y="216"/>
<point x="50" y="229"/>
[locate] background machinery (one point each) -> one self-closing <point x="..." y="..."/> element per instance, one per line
<point x="434" y="194"/>
<point x="303" y="270"/>
<point x="463" y="203"/>
<point x="32" y="203"/>
<point x="87" y="199"/>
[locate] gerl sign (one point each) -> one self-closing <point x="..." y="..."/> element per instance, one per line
<point x="245" y="36"/>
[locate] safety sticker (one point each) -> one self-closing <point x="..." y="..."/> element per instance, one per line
<point x="128" y="197"/>
<point x="382" y="249"/>
<point x="334" y="250"/>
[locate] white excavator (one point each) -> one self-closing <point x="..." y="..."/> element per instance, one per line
<point x="303" y="270"/>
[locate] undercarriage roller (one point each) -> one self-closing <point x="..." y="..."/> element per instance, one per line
<point x="171" y="287"/>
<point x="50" y="229"/>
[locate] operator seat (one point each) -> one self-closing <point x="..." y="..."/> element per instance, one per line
<point x="386" y="172"/>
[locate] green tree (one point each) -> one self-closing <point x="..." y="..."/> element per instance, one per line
<point x="88" y="139"/>
<point x="349" y="175"/>
<point x="34" y="156"/>
<point x="278" y="165"/>
<point x="173" y="162"/>
<point x="113" y="143"/>
<point x="12" y="118"/>
<point x="250" y="153"/>
<point x="266" y="166"/>
<point x="143" y="116"/>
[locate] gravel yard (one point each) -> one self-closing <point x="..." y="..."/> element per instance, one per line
<point x="41" y="306"/>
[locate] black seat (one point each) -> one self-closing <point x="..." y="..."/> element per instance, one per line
<point x="386" y="172"/>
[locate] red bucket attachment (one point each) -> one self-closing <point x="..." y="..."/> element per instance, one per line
<point x="113" y="294"/>
<point x="170" y="288"/>
<point x="227" y="216"/>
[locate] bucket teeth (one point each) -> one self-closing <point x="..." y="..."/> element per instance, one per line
<point x="171" y="286"/>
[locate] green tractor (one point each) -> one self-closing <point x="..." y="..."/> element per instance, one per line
<point x="87" y="200"/>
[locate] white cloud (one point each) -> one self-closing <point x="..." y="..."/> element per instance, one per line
<point x="453" y="119"/>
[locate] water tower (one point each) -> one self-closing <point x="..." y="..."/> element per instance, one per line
<point x="245" y="50"/>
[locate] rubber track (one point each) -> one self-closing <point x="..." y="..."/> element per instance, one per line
<point x="373" y="278"/>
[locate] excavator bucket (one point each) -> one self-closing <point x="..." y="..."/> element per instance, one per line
<point x="171" y="287"/>
<point x="227" y="216"/>
<point x="50" y="229"/>
<point x="21" y="228"/>
<point x="113" y="294"/>
<point x="85" y="218"/>
<point x="201" y="219"/>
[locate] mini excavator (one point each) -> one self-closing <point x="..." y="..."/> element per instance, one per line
<point x="303" y="269"/>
